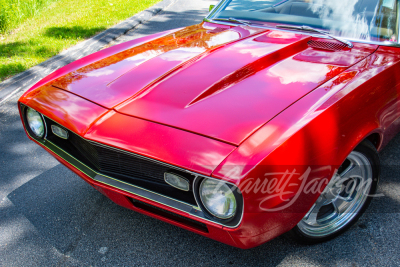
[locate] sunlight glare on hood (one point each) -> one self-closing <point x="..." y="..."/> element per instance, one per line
<point x="291" y="73"/>
<point x="99" y="73"/>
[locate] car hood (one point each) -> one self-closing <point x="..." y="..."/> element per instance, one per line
<point x="217" y="81"/>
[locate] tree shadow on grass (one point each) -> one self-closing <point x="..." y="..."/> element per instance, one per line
<point x="30" y="48"/>
<point x="74" y="32"/>
<point x="10" y="52"/>
<point x="10" y="69"/>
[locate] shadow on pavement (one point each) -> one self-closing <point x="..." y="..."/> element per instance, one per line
<point x="59" y="204"/>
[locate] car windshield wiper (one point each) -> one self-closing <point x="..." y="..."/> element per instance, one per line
<point x="310" y="29"/>
<point x="243" y="22"/>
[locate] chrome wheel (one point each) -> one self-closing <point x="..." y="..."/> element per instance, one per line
<point x="342" y="199"/>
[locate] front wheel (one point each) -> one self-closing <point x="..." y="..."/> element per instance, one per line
<point x="344" y="199"/>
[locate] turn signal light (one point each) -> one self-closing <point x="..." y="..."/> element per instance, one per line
<point x="59" y="132"/>
<point x="176" y="181"/>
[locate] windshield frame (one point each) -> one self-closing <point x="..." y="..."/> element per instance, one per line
<point x="223" y="3"/>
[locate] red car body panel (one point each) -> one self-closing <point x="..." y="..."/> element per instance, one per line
<point x="100" y="55"/>
<point x="232" y="92"/>
<point x="202" y="83"/>
<point x="249" y="104"/>
<point x="319" y="131"/>
<point x="180" y="148"/>
<point x="74" y="112"/>
<point x="120" y="76"/>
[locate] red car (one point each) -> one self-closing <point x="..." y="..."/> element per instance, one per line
<point x="264" y="119"/>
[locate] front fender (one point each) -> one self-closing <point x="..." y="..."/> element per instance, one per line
<point x="284" y="166"/>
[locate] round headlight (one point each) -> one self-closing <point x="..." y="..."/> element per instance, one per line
<point x="218" y="198"/>
<point x="35" y="122"/>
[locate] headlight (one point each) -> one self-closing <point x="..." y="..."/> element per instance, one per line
<point x="218" y="198"/>
<point x="35" y="122"/>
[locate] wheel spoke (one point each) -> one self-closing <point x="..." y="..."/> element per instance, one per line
<point x="337" y="210"/>
<point x="311" y="217"/>
<point x="340" y="205"/>
<point x="352" y="171"/>
<point x="349" y="190"/>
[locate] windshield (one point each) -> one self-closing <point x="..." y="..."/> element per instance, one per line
<point x="371" y="20"/>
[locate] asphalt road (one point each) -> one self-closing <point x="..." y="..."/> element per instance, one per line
<point x="50" y="217"/>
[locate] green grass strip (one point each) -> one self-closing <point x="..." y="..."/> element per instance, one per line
<point x="62" y="24"/>
<point x="14" y="12"/>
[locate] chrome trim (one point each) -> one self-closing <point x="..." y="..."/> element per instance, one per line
<point x="183" y="178"/>
<point x="217" y="8"/>
<point x="192" y="210"/>
<point x="193" y="186"/>
<point x="398" y="21"/>
<point x="45" y="127"/>
<point x="136" y="190"/>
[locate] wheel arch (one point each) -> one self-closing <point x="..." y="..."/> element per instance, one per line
<point x="375" y="138"/>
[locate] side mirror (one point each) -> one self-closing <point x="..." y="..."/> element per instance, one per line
<point x="211" y="7"/>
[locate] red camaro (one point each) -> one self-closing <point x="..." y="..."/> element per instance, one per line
<point x="264" y="119"/>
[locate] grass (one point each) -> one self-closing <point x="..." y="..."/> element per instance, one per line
<point x="14" y="12"/>
<point x="60" y="25"/>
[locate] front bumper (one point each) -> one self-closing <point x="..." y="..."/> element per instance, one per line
<point x="185" y="215"/>
<point x="160" y="211"/>
<point x="244" y="234"/>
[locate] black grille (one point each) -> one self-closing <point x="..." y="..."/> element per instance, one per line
<point x="85" y="149"/>
<point x="326" y="45"/>
<point x="122" y="165"/>
<point x="128" y="165"/>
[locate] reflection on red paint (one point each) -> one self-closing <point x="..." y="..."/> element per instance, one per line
<point x="234" y="103"/>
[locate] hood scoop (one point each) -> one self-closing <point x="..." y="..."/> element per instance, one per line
<point x="326" y="45"/>
<point x="251" y="69"/>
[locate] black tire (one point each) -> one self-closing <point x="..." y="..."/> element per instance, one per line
<point x="369" y="151"/>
